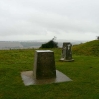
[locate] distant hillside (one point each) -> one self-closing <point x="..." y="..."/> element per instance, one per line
<point x="31" y="44"/>
<point x="27" y="44"/>
<point x="10" y="45"/>
<point x="88" y="48"/>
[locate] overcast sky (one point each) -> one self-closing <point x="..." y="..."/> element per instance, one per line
<point x="44" y="19"/>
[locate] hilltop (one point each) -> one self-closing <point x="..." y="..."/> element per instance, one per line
<point x="88" y="48"/>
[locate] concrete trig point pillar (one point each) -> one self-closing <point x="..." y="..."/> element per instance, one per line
<point x="44" y="71"/>
<point x="44" y="65"/>
<point x="66" y="52"/>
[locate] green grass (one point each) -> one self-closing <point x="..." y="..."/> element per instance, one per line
<point x="84" y="72"/>
<point x="88" y="48"/>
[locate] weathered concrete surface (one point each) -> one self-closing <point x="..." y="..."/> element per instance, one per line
<point x="29" y="79"/>
<point x="44" y="64"/>
<point x="66" y="52"/>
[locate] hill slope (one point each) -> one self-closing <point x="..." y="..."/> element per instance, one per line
<point x="88" y="48"/>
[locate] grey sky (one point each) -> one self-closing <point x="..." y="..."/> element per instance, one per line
<point x="44" y="19"/>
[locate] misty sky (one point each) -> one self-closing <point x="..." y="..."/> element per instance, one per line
<point x="44" y="19"/>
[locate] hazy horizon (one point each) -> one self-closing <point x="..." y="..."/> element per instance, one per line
<point x="29" y="44"/>
<point x="41" y="40"/>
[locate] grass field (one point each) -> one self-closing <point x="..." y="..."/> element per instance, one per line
<point x="84" y="72"/>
